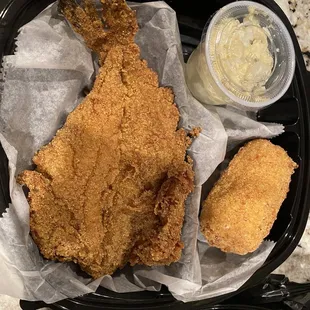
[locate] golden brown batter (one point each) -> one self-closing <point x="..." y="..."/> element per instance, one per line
<point x="110" y="187"/>
<point x="243" y="205"/>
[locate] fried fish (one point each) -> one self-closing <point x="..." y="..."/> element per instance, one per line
<point x="110" y="187"/>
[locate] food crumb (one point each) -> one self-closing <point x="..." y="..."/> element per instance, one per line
<point x="195" y="132"/>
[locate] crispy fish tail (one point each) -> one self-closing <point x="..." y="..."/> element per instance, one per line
<point x="116" y="26"/>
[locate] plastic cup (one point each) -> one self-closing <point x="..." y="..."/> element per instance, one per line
<point x="206" y="74"/>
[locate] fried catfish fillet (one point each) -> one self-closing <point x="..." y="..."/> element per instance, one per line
<point x="110" y="187"/>
<point x="243" y="205"/>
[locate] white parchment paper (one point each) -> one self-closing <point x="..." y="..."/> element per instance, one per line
<point x="42" y="83"/>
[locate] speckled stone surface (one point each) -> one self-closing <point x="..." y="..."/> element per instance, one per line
<point x="298" y="12"/>
<point x="297" y="266"/>
<point x="9" y="303"/>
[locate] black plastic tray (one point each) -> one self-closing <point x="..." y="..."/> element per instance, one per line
<point x="292" y="111"/>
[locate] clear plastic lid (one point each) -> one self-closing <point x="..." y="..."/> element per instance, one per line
<point x="278" y="58"/>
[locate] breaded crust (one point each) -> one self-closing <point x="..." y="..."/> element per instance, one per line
<point x="243" y="205"/>
<point x="109" y="189"/>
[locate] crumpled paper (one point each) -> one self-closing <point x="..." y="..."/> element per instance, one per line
<point x="43" y="82"/>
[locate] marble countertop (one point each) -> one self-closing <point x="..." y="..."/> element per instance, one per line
<point x="297" y="267"/>
<point x="298" y="12"/>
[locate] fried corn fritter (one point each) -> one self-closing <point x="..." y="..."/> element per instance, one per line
<point x="243" y="205"/>
<point x="110" y="187"/>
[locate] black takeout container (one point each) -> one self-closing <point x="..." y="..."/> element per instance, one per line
<point x="292" y="111"/>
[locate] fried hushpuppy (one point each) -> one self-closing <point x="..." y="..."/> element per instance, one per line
<point x="243" y="205"/>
